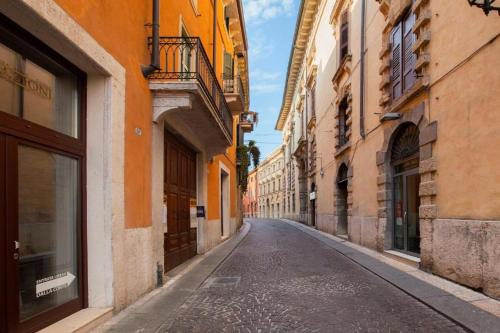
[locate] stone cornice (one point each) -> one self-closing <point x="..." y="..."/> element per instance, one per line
<point x="305" y="22"/>
<point x="337" y="9"/>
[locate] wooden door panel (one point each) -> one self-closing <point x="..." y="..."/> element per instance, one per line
<point x="3" y="272"/>
<point x="180" y="187"/>
<point x="172" y="213"/>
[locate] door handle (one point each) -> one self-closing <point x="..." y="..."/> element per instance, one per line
<point x="17" y="244"/>
<point x="405" y="216"/>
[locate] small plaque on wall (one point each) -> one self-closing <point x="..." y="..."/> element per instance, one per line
<point x="200" y="211"/>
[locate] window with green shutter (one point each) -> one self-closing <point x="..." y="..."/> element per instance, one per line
<point x="228" y="65"/>
<point x="402" y="57"/>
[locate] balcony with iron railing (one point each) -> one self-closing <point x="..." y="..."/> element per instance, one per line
<point x="247" y="121"/>
<point x="186" y="72"/>
<point x="235" y="93"/>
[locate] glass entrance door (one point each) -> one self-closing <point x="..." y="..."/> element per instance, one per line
<point x="43" y="233"/>
<point x="42" y="181"/>
<point x="406" y="205"/>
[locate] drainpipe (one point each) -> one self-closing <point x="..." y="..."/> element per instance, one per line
<point x="362" y="69"/>
<point x="306" y="107"/>
<point x="214" y="38"/>
<point x="155" y="52"/>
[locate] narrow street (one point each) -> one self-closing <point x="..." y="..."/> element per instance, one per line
<point x="280" y="280"/>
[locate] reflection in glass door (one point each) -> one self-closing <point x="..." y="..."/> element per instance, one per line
<point x="406" y="205"/>
<point x="43" y="233"/>
<point x="47" y="230"/>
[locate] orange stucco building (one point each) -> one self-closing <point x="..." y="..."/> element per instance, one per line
<point x="127" y="173"/>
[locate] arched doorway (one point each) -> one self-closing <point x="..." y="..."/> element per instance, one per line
<point x="267" y="209"/>
<point x="303" y="191"/>
<point x="342" y="200"/>
<point x="406" y="180"/>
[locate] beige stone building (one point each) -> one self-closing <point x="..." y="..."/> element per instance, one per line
<point x="270" y="185"/>
<point x="390" y="121"/>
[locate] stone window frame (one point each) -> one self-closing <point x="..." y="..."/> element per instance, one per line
<point x="393" y="11"/>
<point x="345" y="95"/>
<point x="427" y="188"/>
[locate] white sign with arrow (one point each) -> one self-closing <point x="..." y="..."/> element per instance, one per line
<point x="53" y="283"/>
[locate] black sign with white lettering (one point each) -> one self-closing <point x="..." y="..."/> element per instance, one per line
<point x="200" y="211"/>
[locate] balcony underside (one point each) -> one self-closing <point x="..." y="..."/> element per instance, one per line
<point x="246" y="127"/>
<point x="235" y="103"/>
<point x="186" y="103"/>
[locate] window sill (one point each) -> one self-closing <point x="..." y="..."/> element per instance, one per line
<point x="342" y="149"/>
<point x="82" y="321"/>
<point x="420" y="85"/>
<point x="403" y="257"/>
<point x="343" y="67"/>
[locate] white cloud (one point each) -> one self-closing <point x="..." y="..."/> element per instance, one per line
<point x="261" y="75"/>
<point x="264" y="88"/>
<point x="259" y="11"/>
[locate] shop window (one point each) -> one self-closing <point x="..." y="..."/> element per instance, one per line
<point x="41" y="92"/>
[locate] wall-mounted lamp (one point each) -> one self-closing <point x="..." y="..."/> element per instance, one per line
<point x="390" y="116"/>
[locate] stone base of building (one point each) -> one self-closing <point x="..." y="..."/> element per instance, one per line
<point x="327" y="223"/>
<point x="468" y="252"/>
<point x="464" y="251"/>
<point x="210" y="233"/>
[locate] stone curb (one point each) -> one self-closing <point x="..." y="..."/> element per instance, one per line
<point x="156" y="311"/>
<point x="452" y="307"/>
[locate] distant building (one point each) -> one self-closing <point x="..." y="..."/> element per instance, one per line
<point x="271" y="184"/>
<point x="250" y="198"/>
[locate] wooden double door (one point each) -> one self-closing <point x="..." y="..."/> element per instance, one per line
<point x="180" y="196"/>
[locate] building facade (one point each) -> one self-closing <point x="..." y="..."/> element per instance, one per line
<point x="380" y="121"/>
<point x="270" y="185"/>
<point x="118" y="149"/>
<point x="250" y="197"/>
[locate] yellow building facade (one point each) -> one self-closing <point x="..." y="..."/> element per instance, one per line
<point x="126" y="168"/>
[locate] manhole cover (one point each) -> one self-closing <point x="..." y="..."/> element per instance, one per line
<point x="222" y="281"/>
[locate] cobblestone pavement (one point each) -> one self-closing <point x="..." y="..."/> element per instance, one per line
<point x="279" y="279"/>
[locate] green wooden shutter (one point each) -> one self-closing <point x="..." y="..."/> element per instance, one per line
<point x="396" y="66"/>
<point x="409" y="58"/>
<point x="228" y="65"/>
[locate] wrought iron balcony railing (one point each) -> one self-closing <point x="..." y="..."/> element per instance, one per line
<point x="234" y="85"/>
<point x="248" y="117"/>
<point x="183" y="59"/>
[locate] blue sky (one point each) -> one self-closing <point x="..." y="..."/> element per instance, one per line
<point x="270" y="26"/>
